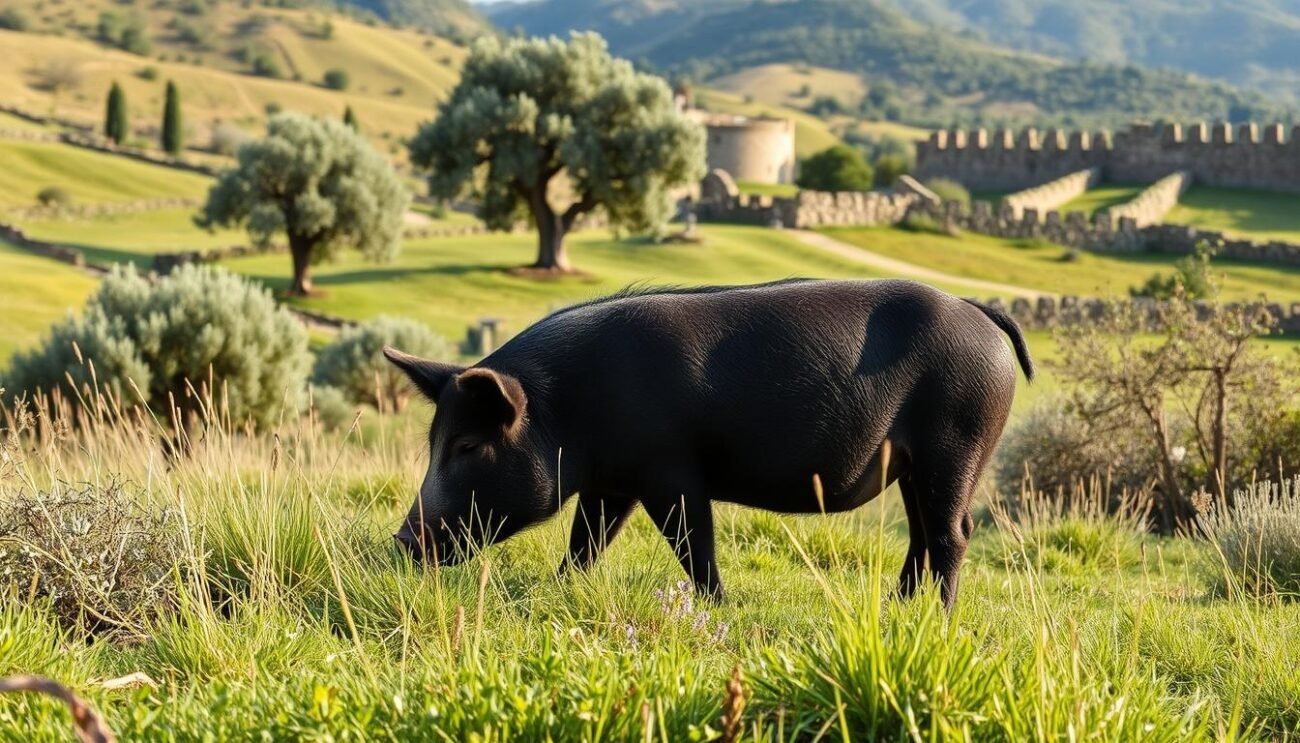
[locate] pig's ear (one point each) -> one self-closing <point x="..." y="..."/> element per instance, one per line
<point x="498" y="399"/>
<point x="429" y="376"/>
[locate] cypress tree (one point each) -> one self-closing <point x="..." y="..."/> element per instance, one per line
<point x="173" y="134"/>
<point x="116" y="127"/>
<point x="350" y="119"/>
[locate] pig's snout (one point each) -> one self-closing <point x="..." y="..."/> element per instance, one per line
<point x="427" y="544"/>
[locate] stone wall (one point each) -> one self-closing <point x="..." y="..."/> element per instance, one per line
<point x="1045" y="313"/>
<point x="1102" y="234"/>
<point x="1214" y="156"/>
<point x="1154" y="202"/>
<point x="101" y="209"/>
<point x="18" y="238"/>
<point x="807" y="209"/>
<point x="1054" y="193"/>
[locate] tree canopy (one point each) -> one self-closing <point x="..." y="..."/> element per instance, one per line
<point x="527" y="111"/>
<point x="318" y="182"/>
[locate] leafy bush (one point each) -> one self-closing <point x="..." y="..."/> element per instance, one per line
<point x="53" y="196"/>
<point x="148" y="72"/>
<point x="1191" y="278"/>
<point x="949" y="190"/>
<point x="128" y="33"/>
<point x="103" y="561"/>
<point x="837" y="168"/>
<point x="170" y="338"/>
<point x="14" y="19"/>
<point x="1051" y="449"/>
<point x="1258" y="538"/>
<point x="227" y="138"/>
<point x="331" y="407"/>
<point x="889" y="166"/>
<point x="927" y="224"/>
<point x="336" y="79"/>
<point x="355" y="361"/>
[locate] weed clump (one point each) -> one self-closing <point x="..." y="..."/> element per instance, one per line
<point x="101" y="560"/>
<point x="1257" y="540"/>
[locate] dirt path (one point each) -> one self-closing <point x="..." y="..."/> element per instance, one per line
<point x="907" y="270"/>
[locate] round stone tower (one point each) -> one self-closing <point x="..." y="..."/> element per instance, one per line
<point x="760" y="150"/>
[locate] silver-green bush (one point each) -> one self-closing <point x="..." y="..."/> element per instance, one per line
<point x="197" y="335"/>
<point x="1258" y="538"/>
<point x="354" y="362"/>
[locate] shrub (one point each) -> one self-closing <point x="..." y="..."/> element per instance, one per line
<point x="53" y="196"/>
<point x="170" y="338"/>
<point x="336" y="79"/>
<point x="1191" y="278"/>
<point x="331" y="407"/>
<point x="930" y="225"/>
<point x="949" y="190"/>
<point x="837" y="168"/>
<point x="1059" y="454"/>
<point x="128" y="33"/>
<point x="264" y="64"/>
<point x="354" y="362"/>
<point x="889" y="166"/>
<point x="227" y="138"/>
<point x="102" y="561"/>
<point x="14" y="19"/>
<point x="1258" y="539"/>
<point x="149" y="73"/>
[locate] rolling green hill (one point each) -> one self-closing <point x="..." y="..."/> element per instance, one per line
<point x="922" y="74"/>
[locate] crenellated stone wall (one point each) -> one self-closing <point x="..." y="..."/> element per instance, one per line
<point x="1154" y="202"/>
<point x="1054" y="193"/>
<point x="1248" y="156"/>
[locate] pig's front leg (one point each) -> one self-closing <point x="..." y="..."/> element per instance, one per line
<point x="595" y="524"/>
<point x="686" y="521"/>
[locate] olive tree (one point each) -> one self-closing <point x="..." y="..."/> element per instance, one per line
<point x="528" y="111"/>
<point x="318" y="182"/>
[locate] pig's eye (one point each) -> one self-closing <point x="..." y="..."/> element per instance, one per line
<point x="465" y="447"/>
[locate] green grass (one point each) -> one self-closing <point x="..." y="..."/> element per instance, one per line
<point x="450" y="283"/>
<point x="87" y="176"/>
<point x="133" y="238"/>
<point x="1038" y="265"/>
<point x="1103" y="197"/>
<point x="767" y="189"/>
<point x="292" y="619"/>
<point x="1258" y="215"/>
<point x="35" y="292"/>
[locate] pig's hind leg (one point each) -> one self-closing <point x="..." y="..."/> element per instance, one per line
<point x="686" y="521"/>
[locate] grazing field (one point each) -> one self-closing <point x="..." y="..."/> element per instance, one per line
<point x="285" y="613"/>
<point x="87" y="176"/>
<point x="451" y="282"/>
<point x="133" y="238"/>
<point x="1258" y="215"/>
<point x="1103" y="197"/>
<point x="34" y="292"/>
<point x="767" y="189"/>
<point x="1041" y="265"/>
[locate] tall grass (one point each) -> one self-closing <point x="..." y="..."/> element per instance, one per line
<point x="294" y="619"/>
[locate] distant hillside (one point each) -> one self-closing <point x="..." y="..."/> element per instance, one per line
<point x="231" y="63"/>
<point x="455" y="18"/>
<point x="919" y="74"/>
<point x="1253" y="43"/>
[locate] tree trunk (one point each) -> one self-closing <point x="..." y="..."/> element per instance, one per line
<point x="1219" y="473"/>
<point x="300" y="249"/>
<point x="1174" y="513"/>
<point x="551" y="254"/>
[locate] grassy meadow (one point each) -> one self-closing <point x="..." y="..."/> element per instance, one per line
<point x="1257" y="215"/>
<point x="285" y="614"/>
<point x="1042" y="265"/>
<point x="87" y="176"/>
<point x="35" y="292"/>
<point x="1103" y="197"/>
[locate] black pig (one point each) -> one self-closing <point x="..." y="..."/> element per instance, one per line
<point x="675" y="398"/>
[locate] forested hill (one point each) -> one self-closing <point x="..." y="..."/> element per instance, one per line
<point x="1252" y="43"/>
<point x="924" y="74"/>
